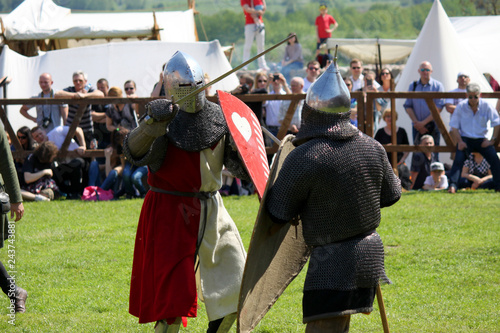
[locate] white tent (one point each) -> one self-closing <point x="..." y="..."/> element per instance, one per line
<point x="481" y="36"/>
<point x="42" y="19"/>
<point x="117" y="62"/>
<point x="438" y="43"/>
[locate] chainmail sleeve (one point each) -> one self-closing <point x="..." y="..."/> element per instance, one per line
<point x="391" y="187"/>
<point x="153" y="158"/>
<point x="233" y="162"/>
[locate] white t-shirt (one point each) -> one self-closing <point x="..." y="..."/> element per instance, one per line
<point x="57" y="136"/>
<point x="443" y="183"/>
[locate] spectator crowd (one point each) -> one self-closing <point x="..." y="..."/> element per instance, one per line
<point x="44" y="176"/>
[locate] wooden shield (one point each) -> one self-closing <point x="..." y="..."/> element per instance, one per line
<point x="274" y="258"/>
<point x="247" y="135"/>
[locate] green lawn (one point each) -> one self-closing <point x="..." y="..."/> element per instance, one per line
<point x="443" y="257"/>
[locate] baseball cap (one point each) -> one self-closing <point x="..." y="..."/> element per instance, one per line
<point x="437" y="166"/>
<point x="462" y="74"/>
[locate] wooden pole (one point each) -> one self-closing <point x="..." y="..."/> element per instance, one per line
<point x="381" y="306"/>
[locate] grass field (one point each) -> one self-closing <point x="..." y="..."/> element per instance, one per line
<point x="443" y="257"/>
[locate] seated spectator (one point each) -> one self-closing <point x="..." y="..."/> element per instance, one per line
<point x="437" y="180"/>
<point x="114" y="165"/>
<point x="37" y="183"/>
<point x="297" y="86"/>
<point x="120" y="116"/>
<point x="292" y="59"/>
<point x="260" y="88"/>
<point x="26" y="140"/>
<point x="421" y="163"/>
<point x="71" y="174"/>
<point x="476" y="173"/>
<point x="470" y="124"/>
<point x="384" y="136"/>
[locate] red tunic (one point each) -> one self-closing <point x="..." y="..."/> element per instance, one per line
<point x="163" y="280"/>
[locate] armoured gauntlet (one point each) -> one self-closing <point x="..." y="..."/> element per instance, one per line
<point x="154" y="123"/>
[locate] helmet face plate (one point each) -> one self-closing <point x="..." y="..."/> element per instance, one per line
<point x="182" y="76"/>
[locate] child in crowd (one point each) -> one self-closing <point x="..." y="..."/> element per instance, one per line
<point x="437" y="180"/>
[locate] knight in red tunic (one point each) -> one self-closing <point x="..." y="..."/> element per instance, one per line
<point x="184" y="228"/>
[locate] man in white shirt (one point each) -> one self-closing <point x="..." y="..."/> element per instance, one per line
<point x="278" y="83"/>
<point x="313" y="71"/>
<point x="469" y="128"/>
<point x="357" y="78"/>
<point x="297" y="85"/>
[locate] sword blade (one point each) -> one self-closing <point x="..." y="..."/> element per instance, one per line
<point x="223" y="76"/>
<point x="271" y="135"/>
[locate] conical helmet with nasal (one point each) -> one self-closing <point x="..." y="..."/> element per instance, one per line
<point x="329" y="93"/>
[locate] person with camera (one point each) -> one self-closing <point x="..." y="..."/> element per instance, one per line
<point x="48" y="116"/>
<point x="13" y="204"/>
<point x="272" y="107"/>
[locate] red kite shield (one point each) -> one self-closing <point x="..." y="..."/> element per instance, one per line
<point x="247" y="134"/>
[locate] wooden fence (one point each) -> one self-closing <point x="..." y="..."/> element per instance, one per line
<point x="365" y="119"/>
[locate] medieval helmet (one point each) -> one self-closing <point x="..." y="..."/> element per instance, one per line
<point x="329" y="93"/>
<point x="182" y="76"/>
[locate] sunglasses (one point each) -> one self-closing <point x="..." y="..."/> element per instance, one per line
<point x="356" y="67"/>
<point x="260" y="81"/>
<point x="129" y="88"/>
<point x="21" y="137"/>
<point x="473" y="96"/>
<point x="314" y="68"/>
<point x="348" y="84"/>
<point x="425" y="70"/>
<point x="384" y="73"/>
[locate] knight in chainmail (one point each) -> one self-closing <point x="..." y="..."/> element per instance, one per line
<point x="336" y="180"/>
<point x="184" y="228"/>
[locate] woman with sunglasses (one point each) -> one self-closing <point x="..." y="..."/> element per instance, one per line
<point x="385" y="80"/>
<point x="27" y="142"/>
<point x="292" y="60"/>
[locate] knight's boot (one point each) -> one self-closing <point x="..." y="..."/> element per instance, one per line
<point x="222" y="325"/>
<point x="162" y="326"/>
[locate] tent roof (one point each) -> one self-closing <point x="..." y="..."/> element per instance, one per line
<point x="42" y="19"/>
<point x="366" y="49"/>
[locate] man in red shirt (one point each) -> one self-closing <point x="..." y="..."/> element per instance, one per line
<point x="323" y="23"/>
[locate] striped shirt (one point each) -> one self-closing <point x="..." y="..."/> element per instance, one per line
<point x="86" y="123"/>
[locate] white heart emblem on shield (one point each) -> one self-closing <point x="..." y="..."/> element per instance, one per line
<point x="242" y="125"/>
